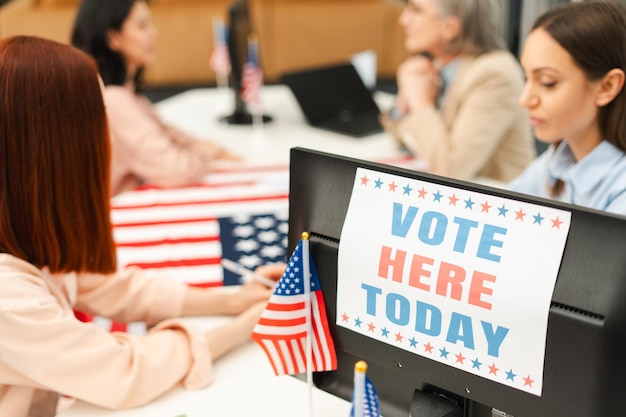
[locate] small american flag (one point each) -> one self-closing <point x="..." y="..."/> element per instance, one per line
<point x="364" y="397"/>
<point x="220" y="59"/>
<point x="282" y="329"/>
<point x="252" y="75"/>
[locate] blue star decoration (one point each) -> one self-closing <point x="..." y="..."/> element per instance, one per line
<point x="538" y="219"/>
<point x="502" y="211"/>
<point x="443" y="353"/>
<point x="469" y="204"/>
<point x="357" y="322"/>
<point x="378" y="184"/>
<point x="413" y="342"/>
<point x="476" y="364"/>
<point x="384" y="331"/>
<point x="510" y="375"/>
<point x="437" y="197"/>
<point x="407" y="190"/>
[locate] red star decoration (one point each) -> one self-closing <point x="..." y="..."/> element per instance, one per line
<point x="528" y="381"/>
<point x="399" y="337"/>
<point x="393" y="186"/>
<point x="364" y="180"/>
<point x="423" y="193"/>
<point x="453" y="200"/>
<point x="428" y="348"/>
<point x="460" y="358"/>
<point x="345" y="317"/>
<point x="485" y="207"/>
<point x="371" y="327"/>
<point x="519" y="215"/>
<point x="556" y="223"/>
<point x="493" y="369"/>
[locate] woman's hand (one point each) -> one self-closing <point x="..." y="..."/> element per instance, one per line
<point x="228" y="336"/>
<point x="253" y="295"/>
<point x="215" y="150"/>
<point x="253" y="291"/>
<point x="231" y="300"/>
<point x="418" y="84"/>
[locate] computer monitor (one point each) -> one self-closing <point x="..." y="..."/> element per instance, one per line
<point x="584" y="364"/>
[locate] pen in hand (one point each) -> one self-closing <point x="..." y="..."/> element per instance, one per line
<point x="246" y="274"/>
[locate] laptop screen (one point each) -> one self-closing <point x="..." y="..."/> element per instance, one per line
<point x="330" y="92"/>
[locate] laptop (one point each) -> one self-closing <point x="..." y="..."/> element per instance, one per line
<point x="336" y="99"/>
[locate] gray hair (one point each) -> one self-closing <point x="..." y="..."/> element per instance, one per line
<point x="480" y="25"/>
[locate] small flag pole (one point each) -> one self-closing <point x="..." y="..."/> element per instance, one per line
<point x="220" y="56"/>
<point x="309" y="327"/>
<point x="359" y="388"/>
<point x="256" y="107"/>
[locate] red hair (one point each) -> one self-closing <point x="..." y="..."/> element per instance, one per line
<point x="54" y="158"/>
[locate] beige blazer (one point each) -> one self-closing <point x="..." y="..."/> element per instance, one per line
<point x="481" y="129"/>
<point x="44" y="348"/>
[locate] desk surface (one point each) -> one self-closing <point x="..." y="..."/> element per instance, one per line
<point x="198" y="111"/>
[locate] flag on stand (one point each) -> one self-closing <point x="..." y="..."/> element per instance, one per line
<point x="282" y="329"/>
<point x="252" y="75"/>
<point x="364" y="397"/>
<point x="220" y="59"/>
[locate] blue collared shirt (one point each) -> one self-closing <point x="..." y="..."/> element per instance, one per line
<point x="447" y="74"/>
<point x="597" y="181"/>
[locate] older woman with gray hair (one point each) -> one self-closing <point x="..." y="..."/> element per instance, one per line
<point x="456" y="106"/>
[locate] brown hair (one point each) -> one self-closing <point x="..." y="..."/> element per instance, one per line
<point x="54" y="158"/>
<point x="593" y="33"/>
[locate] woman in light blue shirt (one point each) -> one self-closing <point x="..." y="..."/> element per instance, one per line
<point x="574" y="61"/>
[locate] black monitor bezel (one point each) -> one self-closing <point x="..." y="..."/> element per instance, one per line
<point x="586" y="323"/>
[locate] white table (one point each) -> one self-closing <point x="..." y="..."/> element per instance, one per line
<point x="198" y="111"/>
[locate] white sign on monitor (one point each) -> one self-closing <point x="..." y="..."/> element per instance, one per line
<point x="453" y="275"/>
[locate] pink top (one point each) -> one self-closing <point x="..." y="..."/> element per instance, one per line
<point x="44" y="347"/>
<point x="146" y="149"/>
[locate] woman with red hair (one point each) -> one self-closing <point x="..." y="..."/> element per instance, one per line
<point x="57" y="254"/>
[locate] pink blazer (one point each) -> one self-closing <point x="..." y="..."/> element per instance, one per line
<point x="44" y="347"/>
<point x="147" y="150"/>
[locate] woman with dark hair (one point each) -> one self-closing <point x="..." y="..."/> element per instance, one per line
<point x="456" y="106"/>
<point x="57" y="254"/>
<point x="120" y="35"/>
<point x="575" y="59"/>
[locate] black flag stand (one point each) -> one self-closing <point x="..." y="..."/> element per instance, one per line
<point x="238" y="31"/>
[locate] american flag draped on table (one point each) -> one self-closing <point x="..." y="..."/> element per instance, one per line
<point x="282" y="328"/>
<point x="237" y="213"/>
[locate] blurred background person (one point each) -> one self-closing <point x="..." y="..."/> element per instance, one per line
<point x="575" y="59"/>
<point x="456" y="106"/>
<point x="121" y="37"/>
